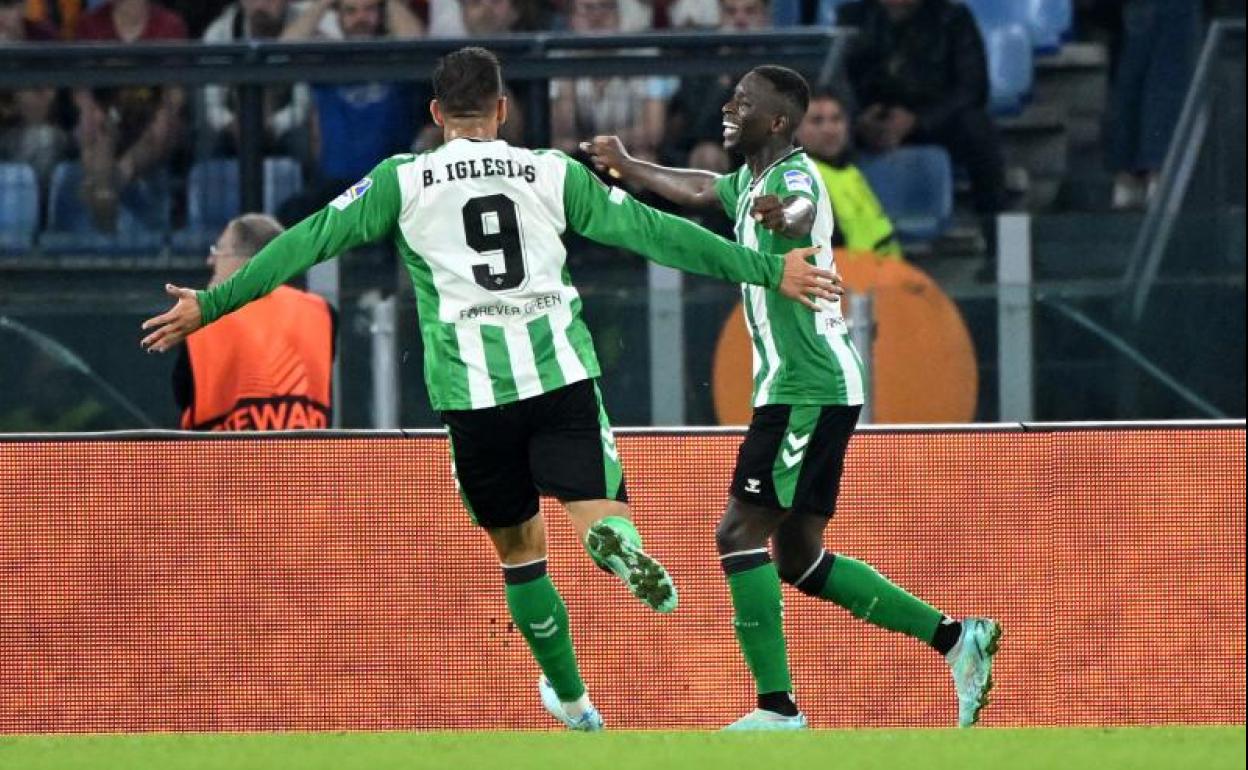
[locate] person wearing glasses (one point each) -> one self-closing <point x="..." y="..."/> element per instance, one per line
<point x="268" y="366"/>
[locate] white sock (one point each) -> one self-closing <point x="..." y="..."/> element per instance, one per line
<point x="578" y="707"/>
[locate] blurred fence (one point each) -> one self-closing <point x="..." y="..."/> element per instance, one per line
<point x="156" y="582"/>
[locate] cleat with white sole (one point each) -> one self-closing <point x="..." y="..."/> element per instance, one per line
<point x="588" y="722"/>
<point x="762" y="720"/>
<point x="971" y="663"/>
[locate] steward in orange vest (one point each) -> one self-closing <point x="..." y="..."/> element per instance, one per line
<point x="267" y="366"/>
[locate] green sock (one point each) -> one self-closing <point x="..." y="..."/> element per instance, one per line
<point x="540" y="615"/>
<point x="758" y="619"/>
<point x="870" y="596"/>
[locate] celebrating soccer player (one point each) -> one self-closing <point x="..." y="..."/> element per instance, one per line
<point x="509" y="363"/>
<point x="808" y="390"/>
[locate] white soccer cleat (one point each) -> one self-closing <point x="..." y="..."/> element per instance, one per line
<point x="763" y="720"/>
<point x="971" y="662"/>
<point x="588" y="722"/>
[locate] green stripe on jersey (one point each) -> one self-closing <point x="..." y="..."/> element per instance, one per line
<point x="542" y="338"/>
<point x="446" y="376"/>
<point x="498" y="361"/>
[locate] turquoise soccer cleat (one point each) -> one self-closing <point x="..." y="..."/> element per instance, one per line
<point x="642" y="573"/>
<point x="588" y="722"/>
<point x="762" y="720"/>
<point x="971" y="662"/>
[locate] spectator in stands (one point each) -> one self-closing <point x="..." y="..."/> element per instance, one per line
<point x="645" y="15"/>
<point x="363" y="122"/>
<point x="632" y="108"/>
<point x="197" y="14"/>
<point x="28" y="130"/>
<point x="285" y="107"/>
<point x="919" y="73"/>
<point x="861" y="224"/>
<point x="1153" y="72"/>
<point x="127" y="135"/>
<point x="490" y="18"/>
<point x="270" y="365"/>
<point x="474" y="18"/>
<point x="695" y="120"/>
<point x="59" y="15"/>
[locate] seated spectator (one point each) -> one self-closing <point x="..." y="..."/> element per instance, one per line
<point x="645" y="15"/>
<point x="695" y="120"/>
<point x="920" y="76"/>
<point x="632" y="108"/>
<point x="285" y="107"/>
<point x="860" y="222"/>
<point x="59" y="15"/>
<point x="455" y="18"/>
<point x="355" y="125"/>
<point x="490" y="18"/>
<point x="28" y="130"/>
<point x="127" y="135"/>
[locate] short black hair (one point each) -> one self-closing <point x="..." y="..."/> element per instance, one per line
<point x="467" y="82"/>
<point x="791" y="87"/>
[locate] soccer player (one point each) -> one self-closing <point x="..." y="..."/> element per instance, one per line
<point x="509" y="363"/>
<point x="808" y="391"/>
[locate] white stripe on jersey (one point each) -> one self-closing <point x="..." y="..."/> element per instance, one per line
<point x="569" y="361"/>
<point x="762" y="324"/>
<point x="523" y="367"/>
<point x="472" y="353"/>
<point x="829" y="319"/>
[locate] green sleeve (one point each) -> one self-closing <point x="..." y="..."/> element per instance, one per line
<point x="613" y="217"/>
<point x="792" y="179"/>
<point x="367" y="211"/>
<point x="728" y="188"/>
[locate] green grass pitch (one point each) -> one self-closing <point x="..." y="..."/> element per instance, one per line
<point x="1206" y="748"/>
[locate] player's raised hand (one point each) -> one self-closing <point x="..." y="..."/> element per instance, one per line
<point x="607" y="153"/>
<point x="768" y="211"/>
<point x="802" y="281"/>
<point x="172" y="326"/>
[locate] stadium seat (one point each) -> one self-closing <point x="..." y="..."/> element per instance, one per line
<point x="1051" y="23"/>
<point x="826" y="13"/>
<point x="19" y="208"/>
<point x="212" y="197"/>
<point x="1047" y="22"/>
<point x="915" y="186"/>
<point x="140" y="231"/>
<point x="1011" y="68"/>
<point x="786" y="13"/>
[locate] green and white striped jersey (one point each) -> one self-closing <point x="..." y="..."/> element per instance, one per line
<point x="478" y="225"/>
<point x="799" y="357"/>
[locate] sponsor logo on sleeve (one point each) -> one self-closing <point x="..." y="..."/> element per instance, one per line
<point x="352" y="194"/>
<point x="795" y="181"/>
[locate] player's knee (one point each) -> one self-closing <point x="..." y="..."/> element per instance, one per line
<point x="807" y="571"/>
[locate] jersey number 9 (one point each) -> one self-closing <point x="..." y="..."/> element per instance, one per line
<point x="491" y="225"/>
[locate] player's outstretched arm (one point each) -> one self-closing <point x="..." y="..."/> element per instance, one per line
<point x="686" y="187"/>
<point x="365" y="212"/>
<point x="613" y="217"/>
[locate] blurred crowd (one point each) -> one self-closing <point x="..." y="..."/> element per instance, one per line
<point x="916" y="74"/>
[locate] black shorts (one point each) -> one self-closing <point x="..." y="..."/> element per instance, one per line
<point x="792" y="457"/>
<point x="557" y="444"/>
